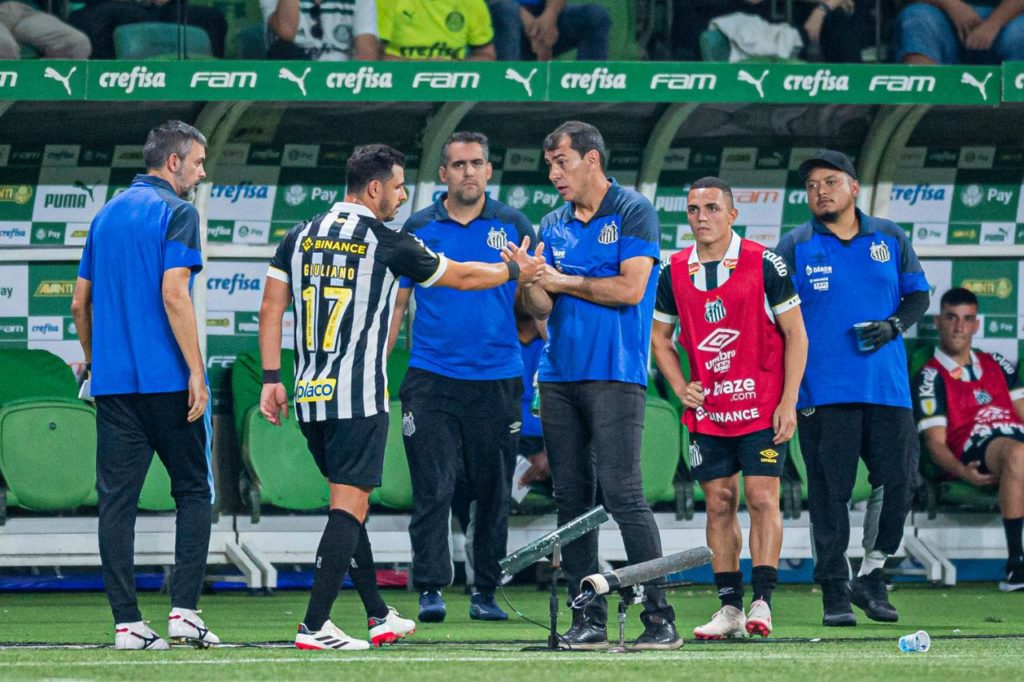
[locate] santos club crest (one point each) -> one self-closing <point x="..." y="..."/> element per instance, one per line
<point x="714" y="310"/>
<point x="609" y="234"/>
<point x="497" y="239"/>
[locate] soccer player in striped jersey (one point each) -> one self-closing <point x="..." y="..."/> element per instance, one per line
<point x="340" y="269"/>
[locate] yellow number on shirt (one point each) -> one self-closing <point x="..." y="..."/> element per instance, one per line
<point x="340" y="297"/>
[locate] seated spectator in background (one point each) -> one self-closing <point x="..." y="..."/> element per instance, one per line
<point x="957" y="32"/>
<point x="541" y="29"/>
<point x="324" y="30"/>
<point x="99" y="18"/>
<point x="969" y="408"/>
<point x="836" y="35"/>
<point x="833" y="30"/>
<point x="23" y="24"/>
<point x="438" y="30"/>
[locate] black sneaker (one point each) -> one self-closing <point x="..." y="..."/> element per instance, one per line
<point x="1014" y="577"/>
<point x="584" y="635"/>
<point x="835" y="600"/>
<point x="659" y="634"/>
<point x="868" y="593"/>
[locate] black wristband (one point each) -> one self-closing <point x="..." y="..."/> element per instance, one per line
<point x="513" y="270"/>
<point x="824" y="7"/>
<point x="897" y="324"/>
<point x="271" y="376"/>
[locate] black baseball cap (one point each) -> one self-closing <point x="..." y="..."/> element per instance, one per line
<point x="827" y="158"/>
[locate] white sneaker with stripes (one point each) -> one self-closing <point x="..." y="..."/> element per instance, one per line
<point x="329" y="636"/>
<point x="137" y="635"/>
<point x="184" y="626"/>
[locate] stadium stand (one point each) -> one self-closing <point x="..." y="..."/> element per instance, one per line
<point x="157" y="40"/>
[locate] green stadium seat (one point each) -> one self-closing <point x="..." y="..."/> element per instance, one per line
<point x="248" y="43"/>
<point x="659" y="454"/>
<point x="157" y="40"/>
<point x="247" y="383"/>
<point x="395" y="491"/>
<point x="47" y="435"/>
<point x="278" y="467"/>
<point x="714" y="46"/>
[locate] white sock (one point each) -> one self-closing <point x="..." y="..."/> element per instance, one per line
<point x="872" y="560"/>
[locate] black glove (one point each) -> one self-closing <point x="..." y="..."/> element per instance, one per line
<point x="880" y="332"/>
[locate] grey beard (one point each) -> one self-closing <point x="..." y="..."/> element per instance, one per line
<point x="189" y="195"/>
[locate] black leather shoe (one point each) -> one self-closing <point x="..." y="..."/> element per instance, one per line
<point x="836" y="602"/>
<point x="584" y="635"/>
<point x="868" y="593"/>
<point x="659" y="634"/>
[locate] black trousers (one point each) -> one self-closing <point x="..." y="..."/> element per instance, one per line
<point x="98" y="19"/>
<point x="457" y="429"/>
<point x="128" y="429"/>
<point x="593" y="431"/>
<point x="832" y="439"/>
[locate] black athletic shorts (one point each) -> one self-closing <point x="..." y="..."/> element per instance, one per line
<point x="721" y="456"/>
<point x="976" y="445"/>
<point x="349" y="451"/>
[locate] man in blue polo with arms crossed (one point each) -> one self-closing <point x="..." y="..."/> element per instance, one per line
<point x="597" y="294"/>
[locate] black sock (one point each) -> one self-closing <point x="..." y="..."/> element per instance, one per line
<point x="1013" y="529"/>
<point x="364" y="577"/>
<point x="763" y="579"/>
<point x="332" y="558"/>
<point x="730" y="588"/>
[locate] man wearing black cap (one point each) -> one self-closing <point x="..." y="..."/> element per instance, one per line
<point x="860" y="285"/>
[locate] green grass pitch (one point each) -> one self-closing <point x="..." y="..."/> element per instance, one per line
<point x="977" y="635"/>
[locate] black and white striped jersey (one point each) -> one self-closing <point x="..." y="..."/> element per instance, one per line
<point x="342" y="267"/>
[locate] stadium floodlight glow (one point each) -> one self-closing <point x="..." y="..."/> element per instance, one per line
<point x="559" y="537"/>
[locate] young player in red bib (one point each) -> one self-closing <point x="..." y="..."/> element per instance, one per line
<point x="969" y="406"/>
<point x="740" y="324"/>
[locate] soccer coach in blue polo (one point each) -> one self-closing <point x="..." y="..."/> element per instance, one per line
<point x="860" y="286"/>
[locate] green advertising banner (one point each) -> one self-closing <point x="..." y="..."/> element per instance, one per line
<point x="559" y="81"/>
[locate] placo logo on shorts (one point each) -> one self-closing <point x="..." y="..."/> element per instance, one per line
<point x="314" y="390"/>
<point x="684" y="81"/>
<point x="366" y="77"/>
<point x="447" y="81"/>
<point x="592" y="81"/>
<point x="140" y="77"/>
<point x="224" y="79"/>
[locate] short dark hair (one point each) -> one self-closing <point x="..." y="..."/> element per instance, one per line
<point x="959" y="296"/>
<point x="466" y="137"/>
<point x="170" y="137"/>
<point x="583" y="138"/>
<point x="712" y="182"/>
<point x="371" y="162"/>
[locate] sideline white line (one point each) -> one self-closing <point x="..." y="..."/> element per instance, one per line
<point x="606" y="658"/>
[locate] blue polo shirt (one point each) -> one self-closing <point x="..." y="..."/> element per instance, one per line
<point x="467" y="334"/>
<point x="841" y="283"/>
<point x="141" y="233"/>
<point x="588" y="341"/>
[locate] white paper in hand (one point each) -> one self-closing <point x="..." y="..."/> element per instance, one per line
<point x="519" y="491"/>
<point x="85" y="390"/>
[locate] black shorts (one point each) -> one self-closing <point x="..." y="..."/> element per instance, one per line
<point x="974" y="449"/>
<point x="721" y="456"/>
<point x="349" y="451"/>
